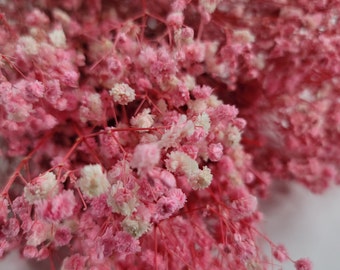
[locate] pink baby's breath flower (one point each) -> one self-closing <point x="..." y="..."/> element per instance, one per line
<point x="242" y="204"/>
<point x="11" y="228"/>
<point x="202" y="92"/>
<point x="215" y="151"/>
<point x="145" y="156"/>
<point x="99" y="207"/>
<point x="30" y="252"/>
<point x="280" y="253"/>
<point x="175" y="19"/>
<point x="92" y="108"/>
<point x="303" y="264"/>
<point x="122" y="199"/>
<point x="74" y="262"/>
<point x="143" y="120"/>
<point x="172" y="201"/>
<point x="40" y="231"/>
<point x="42" y="187"/>
<point x="163" y="176"/>
<point x="125" y="244"/>
<point x="62" y="236"/>
<point x="121" y="127"/>
<point x="4" y="246"/>
<point x="58" y="208"/>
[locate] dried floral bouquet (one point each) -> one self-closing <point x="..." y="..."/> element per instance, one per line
<point x="140" y="134"/>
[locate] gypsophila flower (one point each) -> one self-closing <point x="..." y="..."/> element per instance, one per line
<point x="122" y="200"/>
<point x="58" y="38"/>
<point x="280" y="253"/>
<point x="93" y="182"/>
<point x="145" y="156"/>
<point x="143" y="120"/>
<point x="62" y="236"/>
<point x="43" y="187"/>
<point x="122" y="93"/>
<point x="40" y="232"/>
<point x="28" y="44"/>
<point x="92" y="109"/>
<point x="201" y="179"/>
<point x="142" y="135"/>
<point x="215" y="151"/>
<point x="58" y="208"/>
<point x="203" y="120"/>
<point x="303" y="264"/>
<point x="124" y="243"/>
<point x="181" y="162"/>
<point x="242" y="204"/>
<point x="172" y="201"/>
<point x="135" y="227"/>
<point x="74" y="262"/>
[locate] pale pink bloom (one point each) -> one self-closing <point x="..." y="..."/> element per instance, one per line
<point x="42" y="187"/>
<point x="242" y="204"/>
<point x="163" y="176"/>
<point x="172" y="201"/>
<point x="175" y="19"/>
<point x="143" y="120"/>
<point x="58" y="208"/>
<point x="303" y="264"/>
<point x="39" y="232"/>
<point x="280" y="253"/>
<point x="145" y="156"/>
<point x="62" y="236"/>
<point x="125" y="244"/>
<point x="202" y="92"/>
<point x="215" y="151"/>
<point x="182" y="163"/>
<point x="30" y="252"/>
<point x="122" y="200"/>
<point x="11" y="228"/>
<point x="92" y="108"/>
<point x="74" y="262"/>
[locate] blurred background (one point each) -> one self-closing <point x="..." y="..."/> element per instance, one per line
<point x="307" y="224"/>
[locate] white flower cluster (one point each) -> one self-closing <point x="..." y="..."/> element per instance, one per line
<point x="43" y="187"/>
<point x="135" y="227"/>
<point x="183" y="128"/>
<point x="58" y="38"/>
<point x="143" y="120"/>
<point x="93" y="181"/>
<point x="92" y="110"/>
<point x="122" y="93"/>
<point x="182" y="163"/>
<point x="125" y="207"/>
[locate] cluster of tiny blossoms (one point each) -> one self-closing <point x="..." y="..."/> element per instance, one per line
<point x="139" y="134"/>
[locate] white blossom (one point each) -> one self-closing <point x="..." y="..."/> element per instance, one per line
<point x="122" y="93"/>
<point x="93" y="181"/>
